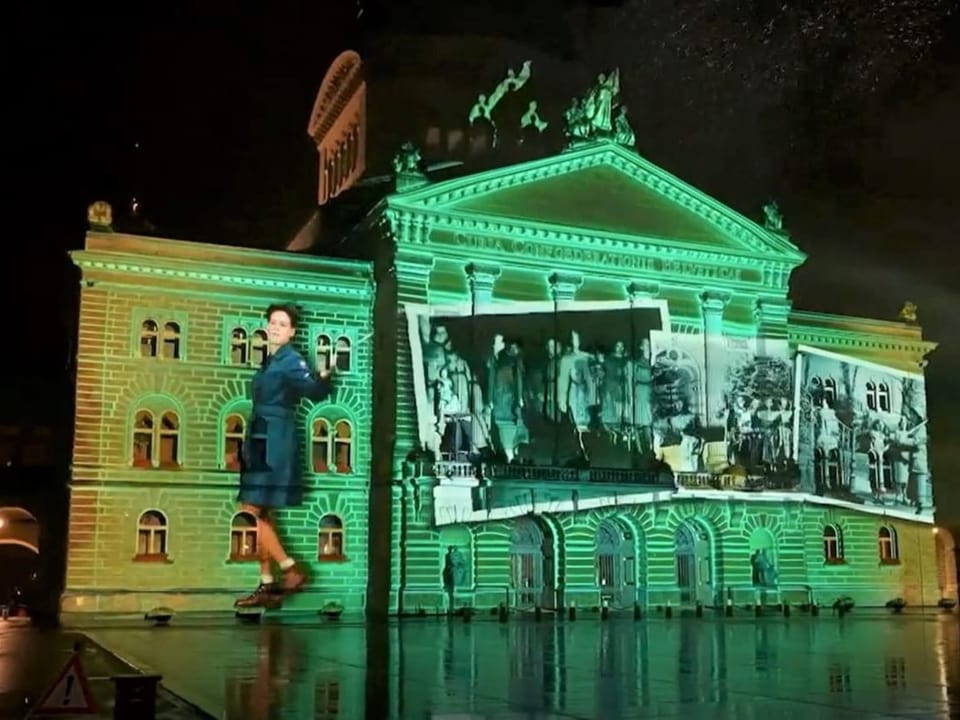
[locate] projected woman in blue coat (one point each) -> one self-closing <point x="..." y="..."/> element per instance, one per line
<point x="270" y="457"/>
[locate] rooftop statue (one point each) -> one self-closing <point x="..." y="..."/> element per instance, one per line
<point x="773" y="218"/>
<point x="485" y="104"/>
<point x="407" y="161"/>
<point x="407" y="166"/>
<point x="531" y="118"/>
<point x="908" y="313"/>
<point x="599" y="115"/>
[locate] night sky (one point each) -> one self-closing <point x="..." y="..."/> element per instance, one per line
<point x="845" y="111"/>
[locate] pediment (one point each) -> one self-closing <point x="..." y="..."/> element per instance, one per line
<point x="603" y="190"/>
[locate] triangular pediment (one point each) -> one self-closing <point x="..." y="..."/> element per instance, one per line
<point x="600" y="190"/>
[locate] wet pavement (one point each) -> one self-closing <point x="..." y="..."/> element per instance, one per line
<point x="861" y="666"/>
<point x="32" y="659"/>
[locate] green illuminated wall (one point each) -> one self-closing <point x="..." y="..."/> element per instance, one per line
<point x="208" y="292"/>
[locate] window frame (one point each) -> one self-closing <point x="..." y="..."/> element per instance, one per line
<point x="838" y="556"/>
<point x="244" y="531"/>
<point x="153" y="531"/>
<point x="334" y="531"/>
<point x="891" y="543"/>
<point x="157" y="407"/>
<point x="332" y="418"/>
<point x="162" y="318"/>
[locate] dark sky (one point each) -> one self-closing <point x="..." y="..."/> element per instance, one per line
<point x="844" y="110"/>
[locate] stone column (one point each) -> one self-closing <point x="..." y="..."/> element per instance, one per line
<point x="481" y="278"/>
<point x="770" y="317"/>
<point x="712" y="303"/>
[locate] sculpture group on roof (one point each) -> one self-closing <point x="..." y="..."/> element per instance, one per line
<point x="600" y="115"/>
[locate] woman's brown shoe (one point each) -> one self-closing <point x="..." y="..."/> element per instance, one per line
<point x="265" y="596"/>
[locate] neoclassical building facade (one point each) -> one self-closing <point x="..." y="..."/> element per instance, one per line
<point x="572" y="380"/>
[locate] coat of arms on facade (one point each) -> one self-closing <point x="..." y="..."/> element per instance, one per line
<point x="600" y="115"/>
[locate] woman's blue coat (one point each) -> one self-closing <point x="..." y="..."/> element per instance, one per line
<point x="270" y="458"/>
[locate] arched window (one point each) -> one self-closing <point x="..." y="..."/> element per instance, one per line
<point x="832" y="544"/>
<point x="324" y="351"/>
<point x="171" y="341"/>
<point x="151" y="536"/>
<point x="330" y="538"/>
<point x="887" y="546"/>
<point x="320" y="446"/>
<point x="343" y="354"/>
<point x="344" y="447"/>
<point x="871" y="396"/>
<point x="143" y="439"/>
<point x="883" y="397"/>
<point x="169" y="440"/>
<point x="239" y="346"/>
<point x="259" y="347"/>
<point x="243" y="538"/>
<point x="149" y="336"/>
<point x="233" y="429"/>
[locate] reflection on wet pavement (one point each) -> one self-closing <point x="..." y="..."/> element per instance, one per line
<point x="776" y="668"/>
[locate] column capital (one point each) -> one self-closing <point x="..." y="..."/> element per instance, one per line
<point x="564" y="286"/>
<point x="482" y="271"/>
<point x="482" y="277"/>
<point x="643" y="290"/>
<point x="714" y="301"/>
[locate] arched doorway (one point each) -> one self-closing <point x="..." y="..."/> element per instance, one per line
<point x="532" y="566"/>
<point x="19" y="558"/>
<point x="616" y="563"/>
<point x="694" y="562"/>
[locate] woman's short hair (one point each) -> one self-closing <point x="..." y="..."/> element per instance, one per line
<point x="292" y="311"/>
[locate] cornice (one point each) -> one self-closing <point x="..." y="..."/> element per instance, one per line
<point x="856" y="341"/>
<point x="353" y="285"/>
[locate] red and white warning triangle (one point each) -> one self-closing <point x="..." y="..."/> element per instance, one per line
<point x="69" y="694"/>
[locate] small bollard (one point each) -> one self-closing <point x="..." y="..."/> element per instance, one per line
<point x="604" y="611"/>
<point x="699" y="611"/>
<point x="637" y="611"/>
<point x="135" y="697"/>
<point x="729" y="610"/>
<point x="668" y="611"/>
<point x="502" y="613"/>
<point x="786" y="609"/>
<point x="538" y="613"/>
<point x="814" y="609"/>
<point x="758" y="610"/>
<point x="572" y="611"/>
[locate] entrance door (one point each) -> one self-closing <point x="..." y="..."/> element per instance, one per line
<point x="527" y="564"/>
<point x="616" y="565"/>
<point x="694" y="565"/>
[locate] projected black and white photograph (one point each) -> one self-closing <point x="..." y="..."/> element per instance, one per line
<point x="572" y="388"/>
<point x="863" y="433"/>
